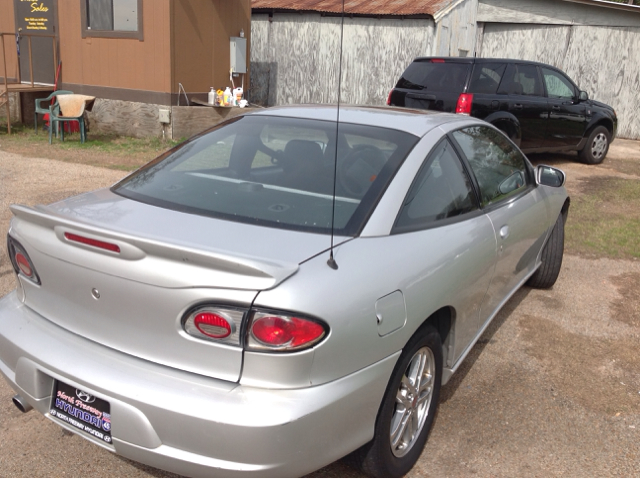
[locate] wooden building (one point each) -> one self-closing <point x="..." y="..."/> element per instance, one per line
<point x="596" y="43"/>
<point x="296" y="45"/>
<point x="137" y="57"/>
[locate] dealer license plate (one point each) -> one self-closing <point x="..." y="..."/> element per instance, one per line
<point x="81" y="410"/>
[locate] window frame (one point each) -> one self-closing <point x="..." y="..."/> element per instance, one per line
<point x="529" y="170"/>
<point x="89" y="33"/>
<point x="480" y="66"/>
<point x="437" y="223"/>
<point x="576" y="90"/>
<point x="512" y="65"/>
<point x="405" y="142"/>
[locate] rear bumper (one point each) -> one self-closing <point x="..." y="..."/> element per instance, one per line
<point x="186" y="423"/>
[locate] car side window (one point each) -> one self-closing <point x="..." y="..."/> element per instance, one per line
<point x="500" y="169"/>
<point x="558" y="86"/>
<point x="486" y="77"/>
<point x="441" y="190"/>
<point x="521" y="79"/>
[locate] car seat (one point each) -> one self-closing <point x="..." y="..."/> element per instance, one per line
<point x="303" y="167"/>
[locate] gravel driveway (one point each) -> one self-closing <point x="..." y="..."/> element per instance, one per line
<point x="551" y="389"/>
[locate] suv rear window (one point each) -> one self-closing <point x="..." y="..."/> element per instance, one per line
<point x="435" y="76"/>
<point x="486" y="77"/>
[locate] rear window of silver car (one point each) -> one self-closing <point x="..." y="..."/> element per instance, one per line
<point x="277" y="172"/>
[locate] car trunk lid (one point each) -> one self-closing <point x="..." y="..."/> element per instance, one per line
<point x="134" y="300"/>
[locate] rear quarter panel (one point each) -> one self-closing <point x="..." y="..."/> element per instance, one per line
<point x="447" y="266"/>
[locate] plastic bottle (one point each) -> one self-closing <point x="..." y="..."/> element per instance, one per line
<point x="211" y="97"/>
<point x="227" y="97"/>
<point x="237" y="95"/>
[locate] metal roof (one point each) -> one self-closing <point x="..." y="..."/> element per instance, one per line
<point x="608" y="4"/>
<point x="393" y="7"/>
<point x="358" y="7"/>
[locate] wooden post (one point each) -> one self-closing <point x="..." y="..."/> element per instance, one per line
<point x="6" y="85"/>
<point x="30" y="61"/>
<point x="55" y="56"/>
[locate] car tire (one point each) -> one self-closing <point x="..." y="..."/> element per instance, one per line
<point x="597" y="146"/>
<point x="409" y="404"/>
<point x="547" y="274"/>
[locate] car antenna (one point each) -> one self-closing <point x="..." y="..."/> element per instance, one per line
<point x="331" y="261"/>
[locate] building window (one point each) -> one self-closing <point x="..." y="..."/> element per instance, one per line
<point x="112" y="18"/>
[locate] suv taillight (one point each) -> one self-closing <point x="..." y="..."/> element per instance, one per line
<point x="20" y="260"/>
<point x="465" y="100"/>
<point x="389" y="97"/>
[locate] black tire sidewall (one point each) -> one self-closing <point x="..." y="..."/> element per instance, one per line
<point x="552" y="254"/>
<point x="380" y="460"/>
<point x="586" y="154"/>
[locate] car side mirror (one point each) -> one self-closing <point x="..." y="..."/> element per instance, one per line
<point x="550" y="176"/>
<point x="583" y="96"/>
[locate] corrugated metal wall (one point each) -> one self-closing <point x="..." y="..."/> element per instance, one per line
<point x="295" y="57"/>
<point x="604" y="61"/>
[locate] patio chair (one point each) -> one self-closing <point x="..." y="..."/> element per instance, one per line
<point x="44" y="110"/>
<point x="69" y="108"/>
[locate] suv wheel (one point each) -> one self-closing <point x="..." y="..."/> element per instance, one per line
<point x="597" y="146"/>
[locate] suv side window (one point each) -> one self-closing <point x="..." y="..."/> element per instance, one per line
<point x="521" y="79"/>
<point x="500" y="169"/>
<point x="442" y="189"/>
<point x="558" y="86"/>
<point x="486" y="77"/>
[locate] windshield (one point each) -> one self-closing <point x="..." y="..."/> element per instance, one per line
<point x="276" y="172"/>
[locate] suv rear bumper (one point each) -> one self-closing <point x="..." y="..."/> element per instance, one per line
<point x="186" y="423"/>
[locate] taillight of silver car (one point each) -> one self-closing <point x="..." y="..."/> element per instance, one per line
<point x="265" y="331"/>
<point x="270" y="331"/>
<point x="215" y="323"/>
<point x="92" y="242"/>
<point x="21" y="262"/>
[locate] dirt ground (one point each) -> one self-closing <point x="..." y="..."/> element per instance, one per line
<point x="551" y="389"/>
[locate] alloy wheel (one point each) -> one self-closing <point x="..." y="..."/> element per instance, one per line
<point x="413" y="399"/>
<point x="599" y="146"/>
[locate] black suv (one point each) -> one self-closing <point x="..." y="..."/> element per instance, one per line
<point x="536" y="105"/>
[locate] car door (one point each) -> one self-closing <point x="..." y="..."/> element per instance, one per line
<point x="525" y="100"/>
<point x="454" y="247"/>
<point x="567" y="115"/>
<point x="511" y="201"/>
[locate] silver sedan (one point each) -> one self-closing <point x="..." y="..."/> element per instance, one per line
<point x="278" y="292"/>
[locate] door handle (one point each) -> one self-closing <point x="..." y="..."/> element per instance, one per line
<point x="518" y="106"/>
<point x="555" y="107"/>
<point x="504" y="232"/>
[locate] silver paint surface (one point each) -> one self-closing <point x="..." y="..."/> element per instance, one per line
<point x="111" y="324"/>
